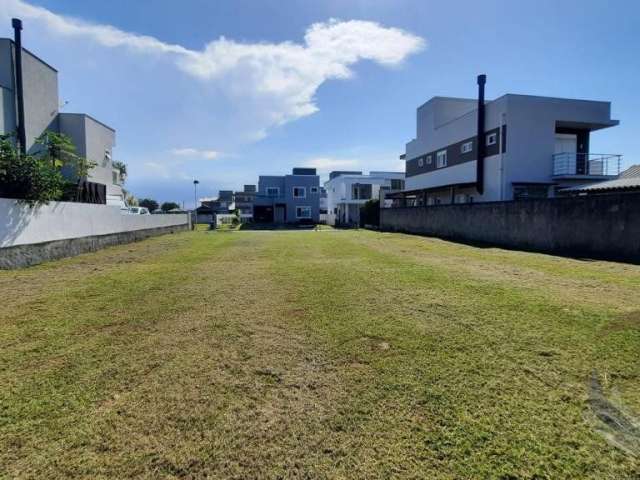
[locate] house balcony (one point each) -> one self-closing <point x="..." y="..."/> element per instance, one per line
<point x="593" y="166"/>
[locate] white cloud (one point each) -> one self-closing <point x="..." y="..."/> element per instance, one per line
<point x="276" y="82"/>
<point x="195" y="153"/>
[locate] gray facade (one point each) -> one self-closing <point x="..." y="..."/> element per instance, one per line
<point x="291" y="198"/>
<point x="92" y="139"/>
<point x="534" y="145"/>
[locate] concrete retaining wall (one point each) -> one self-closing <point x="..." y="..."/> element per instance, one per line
<point x="604" y="226"/>
<point x="60" y="229"/>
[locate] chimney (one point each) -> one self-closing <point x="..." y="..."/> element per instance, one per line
<point x="482" y="79"/>
<point x="16" y="23"/>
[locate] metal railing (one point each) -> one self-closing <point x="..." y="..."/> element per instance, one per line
<point x="596" y="164"/>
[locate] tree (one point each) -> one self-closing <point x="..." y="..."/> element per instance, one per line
<point x="122" y="168"/>
<point x="38" y="178"/>
<point x="149" y="203"/>
<point x="166" y="206"/>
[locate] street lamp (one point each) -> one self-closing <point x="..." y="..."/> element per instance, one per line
<point x="195" y="201"/>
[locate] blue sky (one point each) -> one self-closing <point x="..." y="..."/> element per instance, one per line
<point x="332" y="84"/>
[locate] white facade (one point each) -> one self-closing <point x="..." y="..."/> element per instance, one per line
<point x="537" y="143"/>
<point x="348" y="191"/>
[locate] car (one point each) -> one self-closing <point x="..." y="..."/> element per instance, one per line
<point x="139" y="211"/>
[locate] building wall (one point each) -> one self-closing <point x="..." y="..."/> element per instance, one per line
<point x="92" y="139"/>
<point x="311" y="200"/>
<point x="599" y="226"/>
<point x="40" y="85"/>
<point x="339" y="194"/>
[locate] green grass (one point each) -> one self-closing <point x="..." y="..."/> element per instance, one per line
<point x="319" y="354"/>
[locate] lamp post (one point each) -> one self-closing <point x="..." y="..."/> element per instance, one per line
<point x="195" y="202"/>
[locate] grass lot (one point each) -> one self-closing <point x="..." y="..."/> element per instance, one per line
<point x="333" y="354"/>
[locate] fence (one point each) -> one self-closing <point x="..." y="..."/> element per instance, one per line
<point x="32" y="235"/>
<point x="599" y="226"/>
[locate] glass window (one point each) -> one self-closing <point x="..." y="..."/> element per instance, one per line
<point x="492" y="139"/>
<point x="314" y="189"/>
<point x="299" y="192"/>
<point x="397" y="184"/>
<point x="421" y="162"/>
<point x="441" y="159"/>
<point x="273" y="191"/>
<point x="303" y="212"/>
<point x="428" y="159"/>
<point x="114" y="177"/>
<point x="466" y="147"/>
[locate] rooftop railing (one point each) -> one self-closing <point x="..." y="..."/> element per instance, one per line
<point x="594" y="164"/>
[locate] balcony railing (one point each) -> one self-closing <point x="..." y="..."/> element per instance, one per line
<point x="593" y="164"/>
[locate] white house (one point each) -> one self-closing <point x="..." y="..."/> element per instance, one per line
<point x="530" y="147"/>
<point x="348" y="191"/>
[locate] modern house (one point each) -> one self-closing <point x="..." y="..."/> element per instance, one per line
<point x="244" y="200"/>
<point x="38" y="99"/>
<point x="347" y="191"/>
<point x="293" y="198"/>
<point x="513" y="147"/>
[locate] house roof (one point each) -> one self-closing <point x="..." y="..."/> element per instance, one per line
<point x="627" y="180"/>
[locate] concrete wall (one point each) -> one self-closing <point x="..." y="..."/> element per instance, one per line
<point x="605" y="226"/>
<point x="63" y="224"/>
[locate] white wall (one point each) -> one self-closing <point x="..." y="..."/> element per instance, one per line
<point x="20" y="224"/>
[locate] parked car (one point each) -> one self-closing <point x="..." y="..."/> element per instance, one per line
<point x="139" y="211"/>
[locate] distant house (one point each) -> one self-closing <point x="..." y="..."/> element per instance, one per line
<point x="347" y="191"/>
<point x="92" y="138"/>
<point x="627" y="181"/>
<point x="516" y="146"/>
<point x="293" y="198"/>
<point x="244" y="200"/>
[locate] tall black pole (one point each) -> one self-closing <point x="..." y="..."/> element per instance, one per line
<point x="482" y="79"/>
<point x="16" y="23"/>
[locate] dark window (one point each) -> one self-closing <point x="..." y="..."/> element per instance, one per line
<point x="397" y="184"/>
<point x="361" y="191"/>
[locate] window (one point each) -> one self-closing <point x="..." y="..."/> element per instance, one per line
<point x="492" y="139"/>
<point x="299" y="192"/>
<point x="466" y="147"/>
<point x="273" y="192"/>
<point x="428" y="159"/>
<point x="107" y="158"/>
<point x="361" y="191"/>
<point x="114" y="177"/>
<point x="441" y="159"/>
<point x="303" y="212"/>
<point x="421" y="162"/>
<point x="397" y="184"/>
<point x="314" y="189"/>
<point x="335" y="210"/>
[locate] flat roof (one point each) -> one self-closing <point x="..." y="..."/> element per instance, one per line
<point x="32" y="54"/>
<point x="89" y="117"/>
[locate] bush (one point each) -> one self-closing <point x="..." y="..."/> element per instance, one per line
<point x="38" y="178"/>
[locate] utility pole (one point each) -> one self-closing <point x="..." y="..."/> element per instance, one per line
<point x="16" y="23"/>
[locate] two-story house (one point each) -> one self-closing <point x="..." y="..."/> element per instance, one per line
<point x="293" y="198"/>
<point x="39" y="96"/>
<point x="348" y="191"/>
<point x="516" y="146"/>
